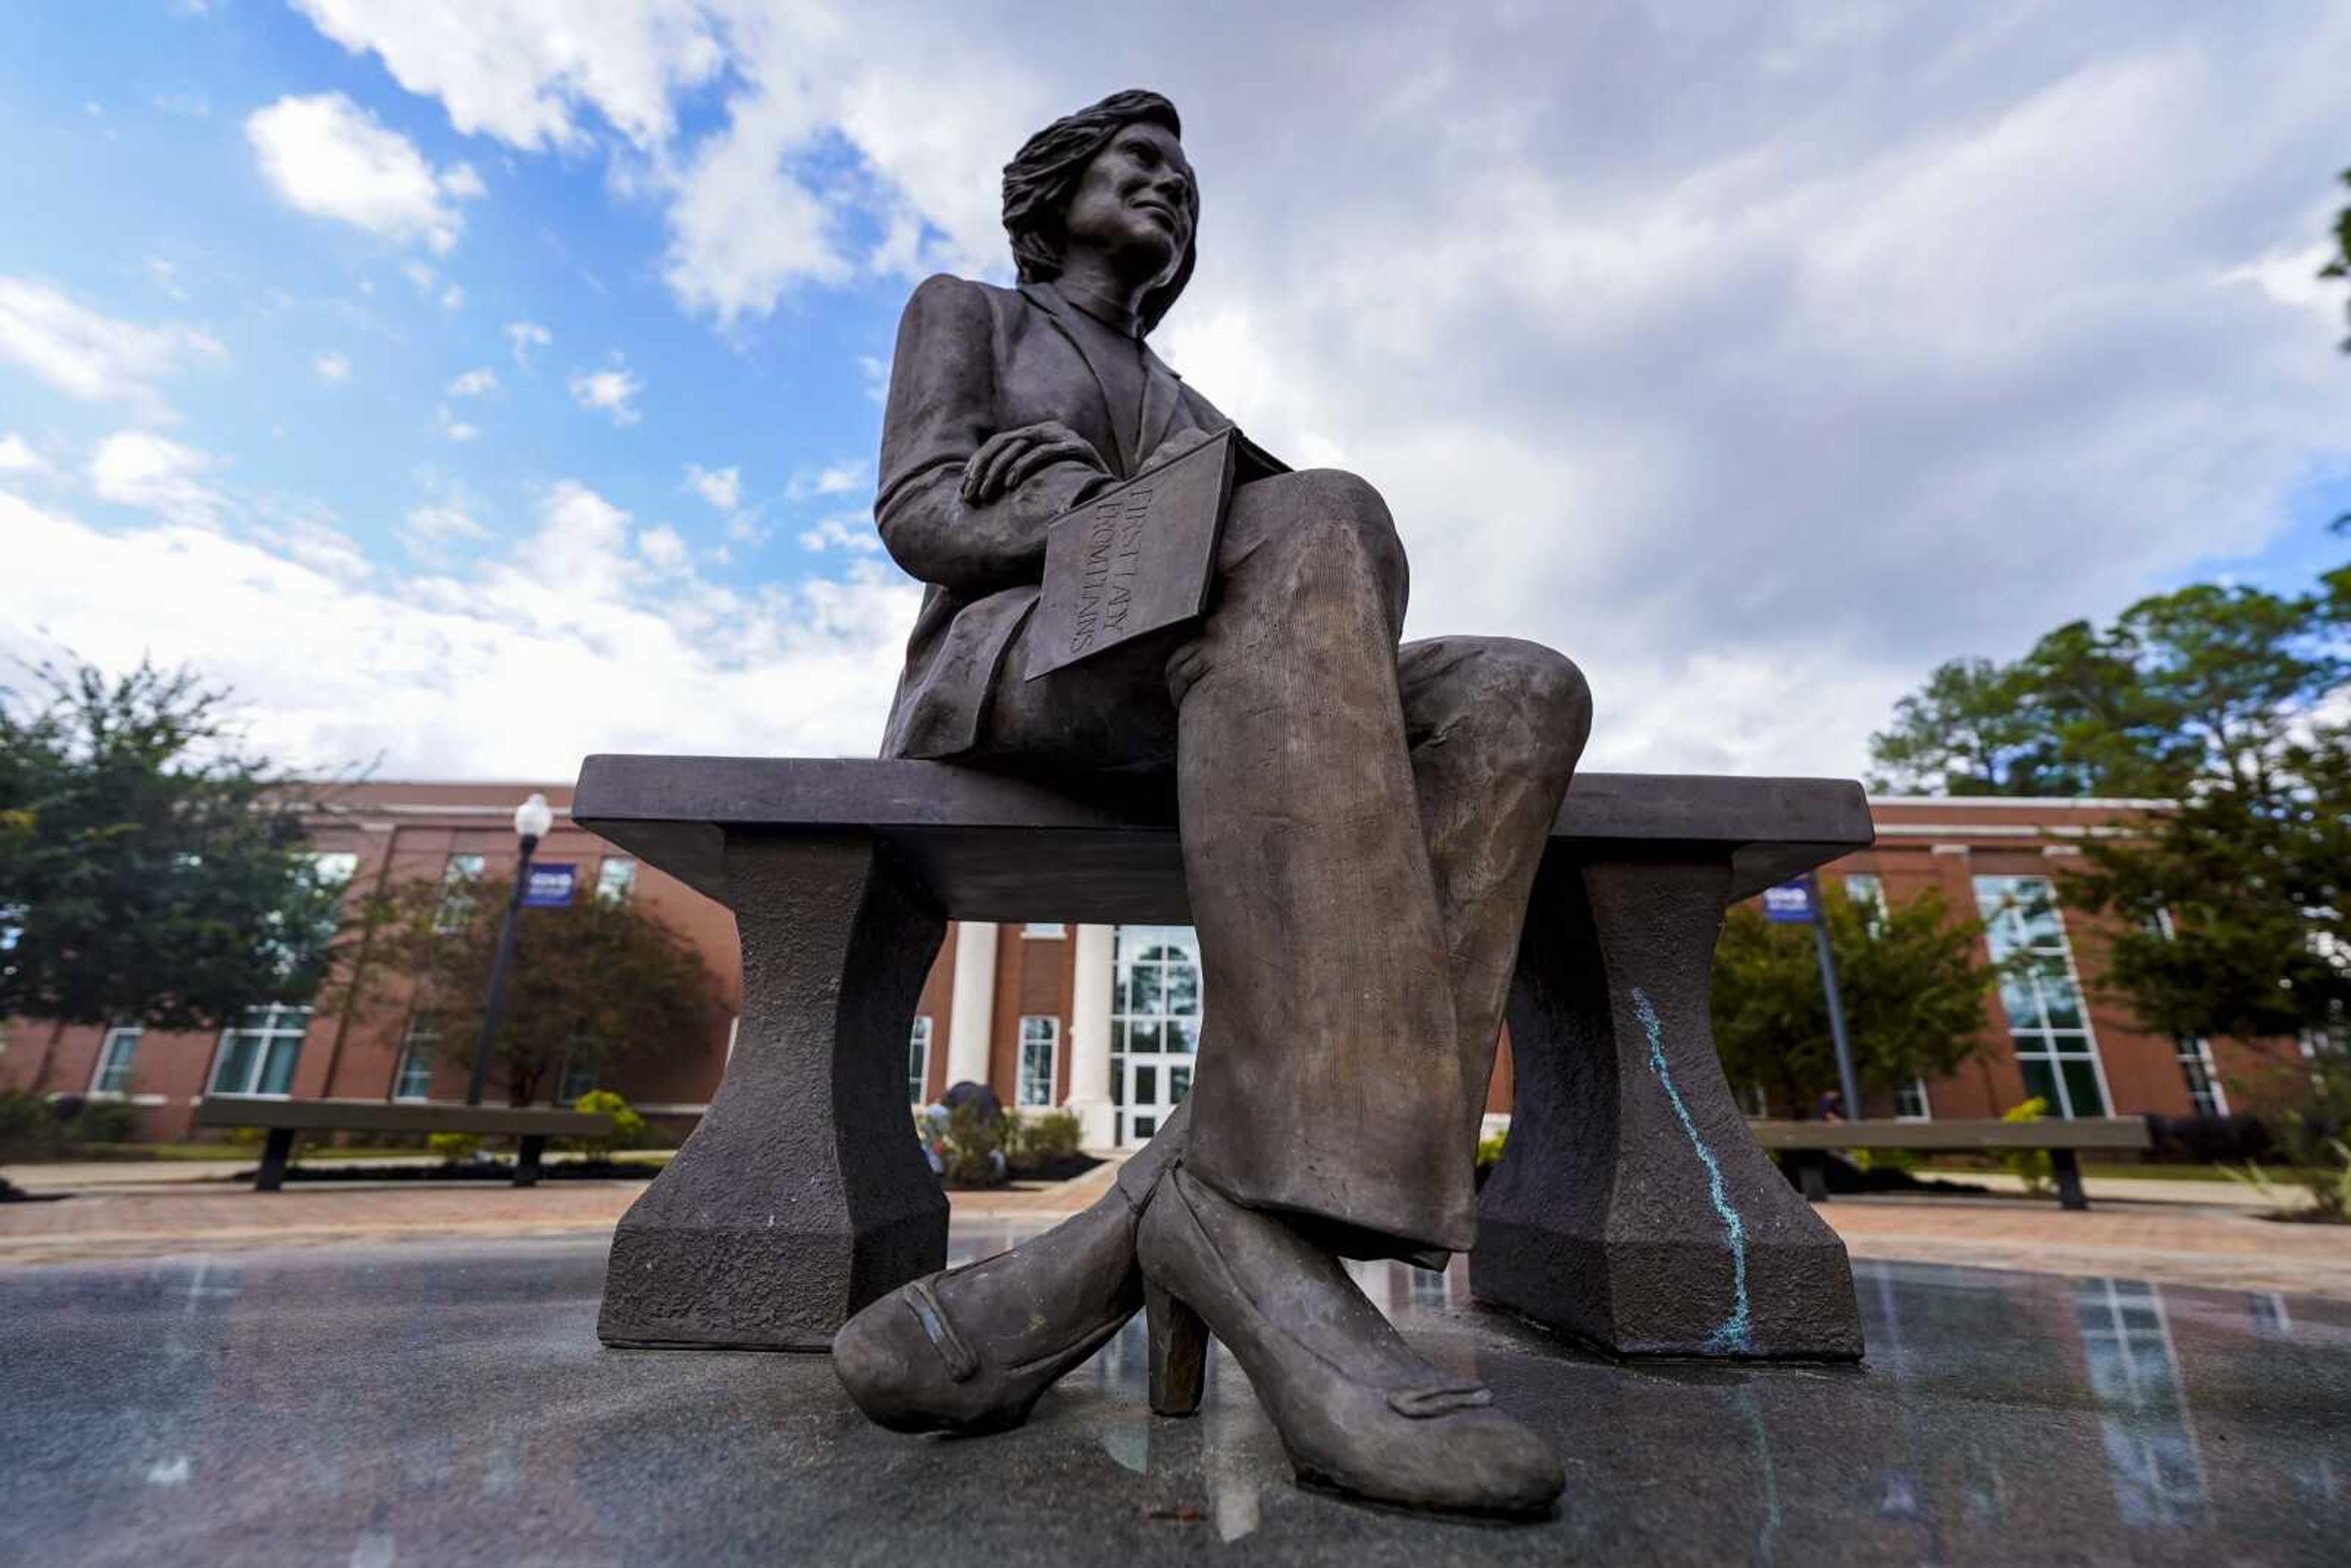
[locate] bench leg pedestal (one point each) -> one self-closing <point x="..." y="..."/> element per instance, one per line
<point x="527" y="1167"/>
<point x="803" y="1194"/>
<point x="1632" y="1208"/>
<point x="2067" y="1169"/>
<point x="277" y="1154"/>
<point x="1812" y="1179"/>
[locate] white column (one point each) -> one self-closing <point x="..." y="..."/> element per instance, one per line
<point x="971" y="1016"/>
<point x="1090" y="1035"/>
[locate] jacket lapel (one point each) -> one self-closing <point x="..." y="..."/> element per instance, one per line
<point x="1047" y="298"/>
<point x="1160" y="395"/>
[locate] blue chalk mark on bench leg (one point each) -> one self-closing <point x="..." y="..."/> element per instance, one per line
<point x="1731" y="1336"/>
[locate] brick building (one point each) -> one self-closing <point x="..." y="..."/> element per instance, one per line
<point x="1104" y="1019"/>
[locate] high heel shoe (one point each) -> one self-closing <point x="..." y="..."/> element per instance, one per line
<point x="1357" y="1411"/>
<point x="973" y="1349"/>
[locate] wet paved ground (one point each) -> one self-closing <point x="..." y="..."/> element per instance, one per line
<point x="445" y="1402"/>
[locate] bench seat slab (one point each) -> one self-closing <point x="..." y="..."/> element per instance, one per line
<point x="1631" y="1208"/>
<point x="803" y="1194"/>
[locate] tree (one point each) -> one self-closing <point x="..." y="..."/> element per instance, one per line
<point x="150" y="871"/>
<point x="2233" y="909"/>
<point x="1911" y="979"/>
<point x="591" y="982"/>
<point x="2201" y="683"/>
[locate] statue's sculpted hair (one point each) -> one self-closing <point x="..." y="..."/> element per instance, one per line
<point x="1041" y="177"/>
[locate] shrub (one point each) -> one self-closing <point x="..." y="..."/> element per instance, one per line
<point x="1907" y="1161"/>
<point x="1042" y="1139"/>
<point x="28" y="1128"/>
<point x="973" y="1151"/>
<point x="2030" y="1167"/>
<point x="627" y="1129"/>
<point x="1489" y="1150"/>
<point x="104" y="1122"/>
<point x="455" y="1148"/>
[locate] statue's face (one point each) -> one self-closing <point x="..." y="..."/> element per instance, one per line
<point x="1134" y="202"/>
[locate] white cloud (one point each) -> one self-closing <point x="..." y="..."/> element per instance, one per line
<point x="521" y="69"/>
<point x="851" y="531"/>
<point x="664" y="549"/>
<point x="722" y="487"/>
<point x="512" y="668"/>
<point x="526" y="336"/>
<point x="331" y="368"/>
<point x="479" y="381"/>
<point x="89" y="355"/>
<point x="329" y="157"/>
<point x="137" y="468"/>
<point x="429" y="532"/>
<point x="612" y="390"/>
<point x="841" y="476"/>
<point x="452" y="427"/>
<point x="452" y="298"/>
<point x="166" y="275"/>
<point x="18" y="456"/>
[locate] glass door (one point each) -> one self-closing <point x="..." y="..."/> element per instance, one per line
<point x="1155" y="1008"/>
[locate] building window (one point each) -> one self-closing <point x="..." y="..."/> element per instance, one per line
<point x="1910" y="1101"/>
<point x="1040" y="1039"/>
<point x="616" y="878"/>
<point x="1156" y="1005"/>
<point x="918" y="1059"/>
<point x="114" y="1054"/>
<point x="2204" y="1091"/>
<point x="579" y="1078"/>
<point x="413" y="1081"/>
<point x="2042" y="993"/>
<point x="258" y="1057"/>
<point x="1045" y="929"/>
<point x="458" y="880"/>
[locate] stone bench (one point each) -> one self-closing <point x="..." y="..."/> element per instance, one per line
<point x="284" y="1119"/>
<point x="1631" y="1208"/>
<point x="2060" y="1136"/>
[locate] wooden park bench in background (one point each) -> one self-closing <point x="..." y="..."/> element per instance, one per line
<point x="1632" y="1208"/>
<point x="287" y="1118"/>
<point x="2061" y="1137"/>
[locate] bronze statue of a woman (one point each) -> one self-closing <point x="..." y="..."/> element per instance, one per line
<point x="1361" y="825"/>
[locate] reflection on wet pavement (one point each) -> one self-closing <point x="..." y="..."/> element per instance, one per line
<point x="448" y="1403"/>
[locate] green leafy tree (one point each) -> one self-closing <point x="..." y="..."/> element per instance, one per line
<point x="591" y="983"/>
<point x="2233" y="909"/>
<point x="2208" y="682"/>
<point x="151" y="870"/>
<point x="1912" y="978"/>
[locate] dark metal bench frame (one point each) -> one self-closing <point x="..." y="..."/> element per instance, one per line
<point x="2061" y="1137"/>
<point x="1632" y="1208"/>
<point x="286" y="1119"/>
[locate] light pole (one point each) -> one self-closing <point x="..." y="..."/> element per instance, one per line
<point x="532" y="819"/>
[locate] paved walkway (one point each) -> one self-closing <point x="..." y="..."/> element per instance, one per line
<point x="2200" y="1233"/>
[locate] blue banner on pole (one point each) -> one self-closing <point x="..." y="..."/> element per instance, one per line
<point x="550" y="885"/>
<point x="1789" y="904"/>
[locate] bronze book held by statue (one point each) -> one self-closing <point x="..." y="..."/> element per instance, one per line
<point x="1141" y="556"/>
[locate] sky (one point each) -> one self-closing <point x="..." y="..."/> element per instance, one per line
<point x="476" y="384"/>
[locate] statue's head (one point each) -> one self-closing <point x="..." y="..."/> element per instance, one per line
<point x="1114" y="175"/>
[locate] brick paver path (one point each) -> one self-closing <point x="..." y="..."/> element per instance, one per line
<point x="2221" y="1244"/>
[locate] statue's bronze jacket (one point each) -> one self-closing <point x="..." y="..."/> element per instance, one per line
<point x="973" y="360"/>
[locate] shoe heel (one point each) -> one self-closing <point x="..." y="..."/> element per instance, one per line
<point x="1179" y="1352"/>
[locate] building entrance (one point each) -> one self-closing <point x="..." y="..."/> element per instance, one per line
<point x="1155" y="1008"/>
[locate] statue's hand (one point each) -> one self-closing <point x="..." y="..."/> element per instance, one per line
<point x="1006" y="460"/>
<point x="1178" y="444"/>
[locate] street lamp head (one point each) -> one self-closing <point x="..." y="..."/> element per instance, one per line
<point x="532" y="817"/>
